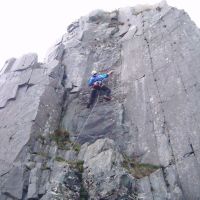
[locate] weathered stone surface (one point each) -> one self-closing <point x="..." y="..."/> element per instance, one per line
<point x="13" y="186"/>
<point x="97" y="15"/>
<point x="101" y="159"/>
<point x="171" y="178"/>
<point x="8" y="65"/>
<point x="126" y="20"/>
<point x="25" y="62"/>
<point x="153" y="116"/>
<point x="55" y="53"/>
<point x="43" y="182"/>
<point x="103" y="175"/>
<point x="34" y="183"/>
<point x="153" y="111"/>
<point x="88" y="152"/>
<point x="70" y="155"/>
<point x="144" y="189"/>
<point x="25" y="114"/>
<point x="188" y="172"/>
<point x="65" y="184"/>
<point x="158" y="185"/>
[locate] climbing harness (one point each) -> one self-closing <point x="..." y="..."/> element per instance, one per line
<point x="97" y="85"/>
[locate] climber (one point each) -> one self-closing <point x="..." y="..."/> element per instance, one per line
<point x="96" y="84"/>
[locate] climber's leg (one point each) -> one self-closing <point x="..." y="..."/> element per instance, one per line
<point x="92" y="97"/>
<point x="107" y="92"/>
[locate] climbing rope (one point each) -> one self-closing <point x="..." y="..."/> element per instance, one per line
<point x="84" y="124"/>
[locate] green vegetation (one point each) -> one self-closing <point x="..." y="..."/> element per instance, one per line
<point x="83" y="193"/>
<point x="62" y="139"/>
<point x="76" y="146"/>
<point x="79" y="165"/>
<point x="41" y="153"/>
<point x="60" y="159"/>
<point x="74" y="164"/>
<point x="138" y="170"/>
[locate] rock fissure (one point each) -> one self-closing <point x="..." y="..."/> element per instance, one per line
<point x="15" y="95"/>
<point x="164" y="125"/>
<point x="153" y="73"/>
<point x="4" y="173"/>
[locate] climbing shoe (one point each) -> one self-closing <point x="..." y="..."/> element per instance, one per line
<point x="107" y="98"/>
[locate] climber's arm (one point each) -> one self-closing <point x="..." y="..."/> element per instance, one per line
<point x="101" y="77"/>
<point x="91" y="81"/>
<point x="110" y="72"/>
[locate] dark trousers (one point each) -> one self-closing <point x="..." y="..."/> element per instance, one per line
<point x="95" y="92"/>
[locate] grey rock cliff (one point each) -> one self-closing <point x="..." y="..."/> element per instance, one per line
<point x="143" y="144"/>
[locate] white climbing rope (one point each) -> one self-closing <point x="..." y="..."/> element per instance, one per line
<point x="80" y="132"/>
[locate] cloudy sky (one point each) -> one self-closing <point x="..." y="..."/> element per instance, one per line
<point x="35" y="25"/>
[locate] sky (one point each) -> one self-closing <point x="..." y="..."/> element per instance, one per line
<point x="35" y="25"/>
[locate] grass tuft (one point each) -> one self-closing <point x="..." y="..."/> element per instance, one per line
<point x="74" y="164"/>
<point x="138" y="170"/>
<point x="61" y="137"/>
<point x="76" y="146"/>
<point x="60" y="159"/>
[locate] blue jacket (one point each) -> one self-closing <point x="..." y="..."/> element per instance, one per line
<point x="96" y="78"/>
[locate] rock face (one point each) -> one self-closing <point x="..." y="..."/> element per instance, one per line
<point x="143" y="144"/>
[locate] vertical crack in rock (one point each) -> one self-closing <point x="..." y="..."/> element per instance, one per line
<point x="185" y="90"/>
<point x="164" y="126"/>
<point x="165" y="179"/>
<point x="29" y="85"/>
<point x="151" y="187"/>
